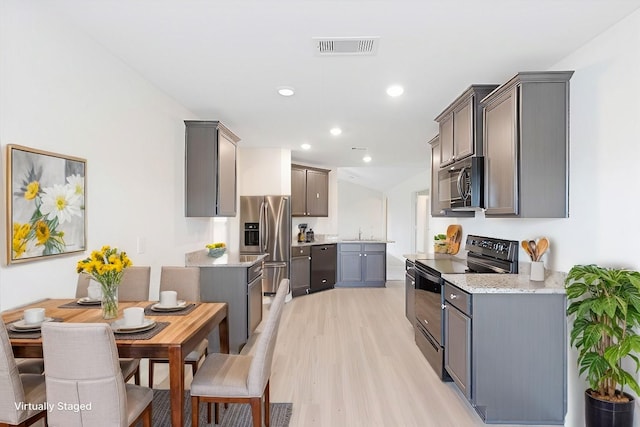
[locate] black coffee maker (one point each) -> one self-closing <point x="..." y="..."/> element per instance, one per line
<point x="301" y="233"/>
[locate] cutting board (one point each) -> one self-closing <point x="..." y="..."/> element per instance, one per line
<point x="454" y="237"/>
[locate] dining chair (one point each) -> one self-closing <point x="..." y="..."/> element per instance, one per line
<point x="237" y="378"/>
<point x="134" y="286"/>
<point x="30" y="366"/>
<point x="94" y="378"/>
<point x="16" y="387"/>
<point x="186" y="282"/>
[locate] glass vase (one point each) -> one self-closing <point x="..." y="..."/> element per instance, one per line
<point x="109" y="301"/>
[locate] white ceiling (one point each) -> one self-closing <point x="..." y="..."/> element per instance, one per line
<point x="223" y="60"/>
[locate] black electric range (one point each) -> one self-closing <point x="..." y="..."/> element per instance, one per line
<point x="484" y="255"/>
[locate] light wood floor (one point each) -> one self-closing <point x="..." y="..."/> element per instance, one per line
<point x="347" y="357"/>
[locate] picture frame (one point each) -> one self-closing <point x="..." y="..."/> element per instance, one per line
<point x="46" y="212"/>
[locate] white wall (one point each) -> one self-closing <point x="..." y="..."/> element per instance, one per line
<point x="61" y="92"/>
<point x="264" y="171"/>
<point x="401" y="213"/>
<point x="360" y="209"/>
<point x="603" y="226"/>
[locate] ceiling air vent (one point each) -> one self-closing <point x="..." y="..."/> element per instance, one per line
<point x="336" y="46"/>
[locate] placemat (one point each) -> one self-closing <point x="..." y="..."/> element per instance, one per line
<point x="186" y="310"/>
<point x="74" y="304"/>
<point x="144" y="335"/>
<point x="28" y="335"/>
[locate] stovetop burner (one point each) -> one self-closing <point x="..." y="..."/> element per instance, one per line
<point x="485" y="255"/>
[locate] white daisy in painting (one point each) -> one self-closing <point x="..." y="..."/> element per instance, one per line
<point x="76" y="182"/>
<point x="60" y="201"/>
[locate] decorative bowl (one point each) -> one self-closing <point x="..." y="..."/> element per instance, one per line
<point x="216" y="252"/>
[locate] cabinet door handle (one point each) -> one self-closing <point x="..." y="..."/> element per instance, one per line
<point x="323" y="248"/>
<point x="365" y="254"/>
<point x="317" y="195"/>
<point x="453" y="296"/>
<point x="425" y="321"/>
<point x="324" y="280"/>
<point x="359" y="254"/>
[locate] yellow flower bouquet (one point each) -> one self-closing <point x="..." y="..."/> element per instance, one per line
<point x="106" y="267"/>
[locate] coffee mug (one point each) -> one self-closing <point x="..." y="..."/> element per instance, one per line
<point x="94" y="291"/>
<point x="168" y="298"/>
<point x="33" y="316"/>
<point x="133" y="316"/>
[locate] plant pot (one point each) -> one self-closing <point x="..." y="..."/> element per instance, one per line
<point x="602" y="413"/>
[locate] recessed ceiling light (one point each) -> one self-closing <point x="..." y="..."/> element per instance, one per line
<point x="305" y="146"/>
<point x="366" y="158"/>
<point x="395" y="90"/>
<point x="286" y="90"/>
<point x="335" y="131"/>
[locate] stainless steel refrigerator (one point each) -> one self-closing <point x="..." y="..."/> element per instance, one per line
<point x="265" y="228"/>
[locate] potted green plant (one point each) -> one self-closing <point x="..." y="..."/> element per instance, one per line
<point x="606" y="305"/>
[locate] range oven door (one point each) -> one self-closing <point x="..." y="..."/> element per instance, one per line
<point x="428" y="318"/>
<point x="428" y="302"/>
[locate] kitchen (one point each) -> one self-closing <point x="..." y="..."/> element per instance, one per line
<point x="95" y="88"/>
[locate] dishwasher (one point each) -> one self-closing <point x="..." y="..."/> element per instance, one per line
<point x="323" y="267"/>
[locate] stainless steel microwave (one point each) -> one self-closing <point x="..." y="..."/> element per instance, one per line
<point x="460" y="185"/>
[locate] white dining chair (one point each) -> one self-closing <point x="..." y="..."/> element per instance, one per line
<point x="186" y="282"/>
<point x="94" y="378"/>
<point x="136" y="284"/>
<point x="237" y="378"/>
<point x="16" y="387"/>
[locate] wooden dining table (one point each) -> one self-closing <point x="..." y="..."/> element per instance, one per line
<point x="174" y="342"/>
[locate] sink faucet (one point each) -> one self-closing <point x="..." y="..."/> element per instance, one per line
<point x="359" y="233"/>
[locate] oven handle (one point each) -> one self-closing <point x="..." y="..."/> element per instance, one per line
<point x="490" y="267"/>
<point x="424" y="273"/>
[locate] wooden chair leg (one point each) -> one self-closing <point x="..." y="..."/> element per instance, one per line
<point x="195" y="413"/>
<point x="217" y="413"/>
<point x="267" y="416"/>
<point x="194" y="368"/>
<point x="256" y="411"/>
<point x="146" y="421"/>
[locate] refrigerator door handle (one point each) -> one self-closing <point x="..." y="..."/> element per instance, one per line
<point x="279" y="220"/>
<point x="261" y="226"/>
<point x="265" y="221"/>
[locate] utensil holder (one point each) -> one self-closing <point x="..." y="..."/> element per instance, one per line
<point x="537" y="271"/>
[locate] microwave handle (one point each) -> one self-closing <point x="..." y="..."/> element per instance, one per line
<point x="459" y="183"/>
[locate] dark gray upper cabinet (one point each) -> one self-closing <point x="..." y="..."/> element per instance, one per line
<point x="309" y="191"/>
<point x="461" y="125"/>
<point x="526" y="133"/>
<point x="210" y="169"/>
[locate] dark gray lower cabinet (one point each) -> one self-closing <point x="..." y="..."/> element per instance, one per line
<point x="362" y="264"/>
<point x="507" y="354"/>
<point x="241" y="288"/>
<point x="410" y="291"/>
<point x="300" y="270"/>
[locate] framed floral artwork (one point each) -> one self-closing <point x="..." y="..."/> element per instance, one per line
<point x="46" y="214"/>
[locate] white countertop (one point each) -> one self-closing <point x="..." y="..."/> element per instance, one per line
<point x="508" y="283"/>
<point x="229" y="259"/>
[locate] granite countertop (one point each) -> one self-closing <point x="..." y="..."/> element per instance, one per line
<point x="432" y="255"/>
<point x="229" y="259"/>
<point x="508" y="283"/>
<point x="321" y="241"/>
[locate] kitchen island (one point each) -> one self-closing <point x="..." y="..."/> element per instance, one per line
<point x="237" y="280"/>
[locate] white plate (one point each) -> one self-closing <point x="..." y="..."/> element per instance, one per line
<point x="21" y="326"/>
<point x="159" y="307"/>
<point x="89" y="301"/>
<point x="120" y="328"/>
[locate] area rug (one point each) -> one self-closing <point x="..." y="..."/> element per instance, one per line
<point x="236" y="415"/>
